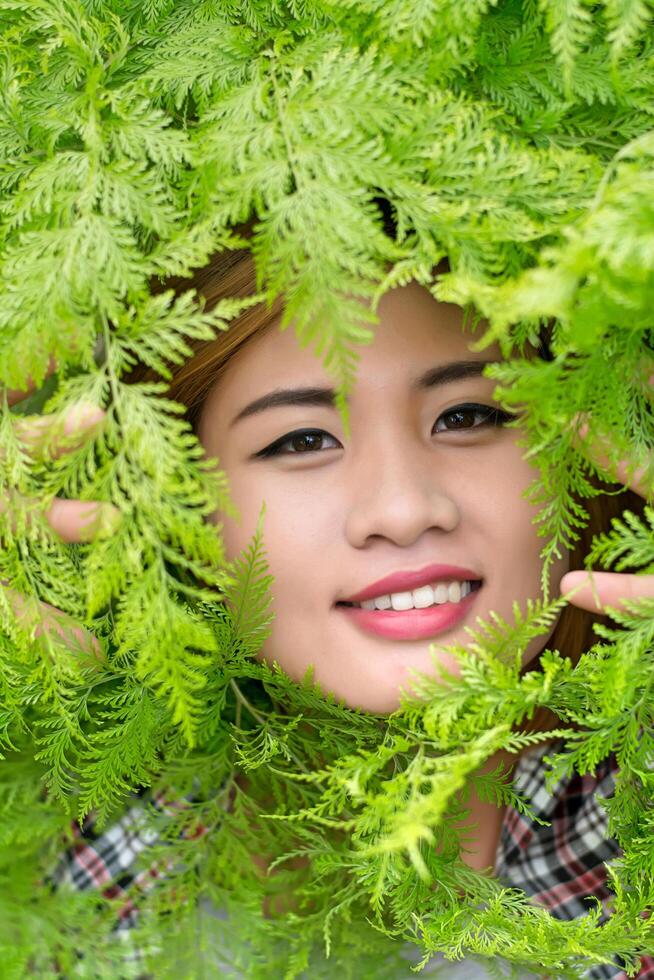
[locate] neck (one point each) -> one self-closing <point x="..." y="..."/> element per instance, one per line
<point x="484" y="820"/>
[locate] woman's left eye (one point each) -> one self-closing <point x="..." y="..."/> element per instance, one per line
<point x="463" y="417"/>
<point x="301" y="442"/>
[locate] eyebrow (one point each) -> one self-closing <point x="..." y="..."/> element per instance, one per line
<point x="442" y="375"/>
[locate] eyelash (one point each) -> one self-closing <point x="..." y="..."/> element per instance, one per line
<point x="492" y="416"/>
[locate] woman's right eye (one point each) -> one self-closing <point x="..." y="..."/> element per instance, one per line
<point x="302" y="442"/>
<point x="464" y="418"/>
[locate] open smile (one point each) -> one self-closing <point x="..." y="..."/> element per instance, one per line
<point x="417" y="615"/>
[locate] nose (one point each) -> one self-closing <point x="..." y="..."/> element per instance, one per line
<point x="397" y="494"/>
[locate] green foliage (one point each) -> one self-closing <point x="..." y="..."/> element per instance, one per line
<point x="513" y="138"/>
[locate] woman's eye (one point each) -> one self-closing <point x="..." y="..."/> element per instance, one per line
<point x="461" y="417"/>
<point x="470" y="417"/>
<point x="301" y="442"/>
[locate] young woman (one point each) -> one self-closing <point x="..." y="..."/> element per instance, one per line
<point x="386" y="542"/>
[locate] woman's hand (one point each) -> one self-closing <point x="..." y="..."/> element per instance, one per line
<point x="597" y="591"/>
<point x="49" y="436"/>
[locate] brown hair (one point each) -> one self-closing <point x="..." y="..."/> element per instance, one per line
<point x="232" y="273"/>
<point x="227" y="274"/>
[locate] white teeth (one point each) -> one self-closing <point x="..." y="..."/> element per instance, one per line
<point x="441" y="594"/>
<point x="401" y="601"/>
<point x="422" y="598"/>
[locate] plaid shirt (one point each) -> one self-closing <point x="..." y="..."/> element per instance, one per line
<point x="559" y="865"/>
<point x="562" y="865"/>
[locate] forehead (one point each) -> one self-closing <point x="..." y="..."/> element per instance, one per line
<point x="414" y="332"/>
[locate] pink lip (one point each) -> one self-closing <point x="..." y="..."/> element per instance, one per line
<point x="411" y="624"/>
<point x="407" y="581"/>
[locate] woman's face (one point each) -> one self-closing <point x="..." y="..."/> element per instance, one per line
<point x="422" y="502"/>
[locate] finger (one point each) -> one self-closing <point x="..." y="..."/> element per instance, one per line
<point x="15" y="395"/>
<point x="640" y="479"/>
<point x="74" y="521"/>
<point x="49" y="436"/>
<point x="39" y="619"/>
<point x="82" y="520"/>
<point x="597" y="591"/>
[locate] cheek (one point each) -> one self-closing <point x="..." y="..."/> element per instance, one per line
<point x="300" y="530"/>
<point x="301" y="540"/>
<point x="491" y="496"/>
<point x="298" y="523"/>
<point x="515" y="547"/>
<point x="237" y="531"/>
<point x="502" y="525"/>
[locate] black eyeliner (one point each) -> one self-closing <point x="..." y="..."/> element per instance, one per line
<point x="495" y="417"/>
<point x="271" y="449"/>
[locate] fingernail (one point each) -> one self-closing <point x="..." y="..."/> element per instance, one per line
<point x="83" y="415"/>
<point x="573" y="580"/>
<point x="110" y="519"/>
<point x="579" y="423"/>
<point x="104" y="520"/>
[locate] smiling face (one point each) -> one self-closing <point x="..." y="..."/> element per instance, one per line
<point x="421" y="503"/>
